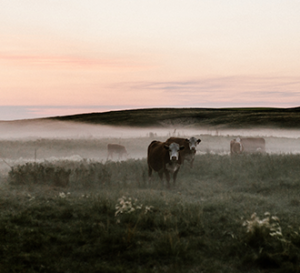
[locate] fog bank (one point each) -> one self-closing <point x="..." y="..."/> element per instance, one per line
<point x="41" y="128"/>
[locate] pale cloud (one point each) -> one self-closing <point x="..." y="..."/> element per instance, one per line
<point x="241" y="83"/>
<point x="219" y="91"/>
<point x="60" y="62"/>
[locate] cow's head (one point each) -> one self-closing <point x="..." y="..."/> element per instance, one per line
<point x="174" y="149"/>
<point x="238" y="140"/>
<point x="193" y="142"/>
<point x="236" y="146"/>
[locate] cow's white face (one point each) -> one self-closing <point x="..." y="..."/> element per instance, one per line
<point x="238" y="140"/>
<point x="193" y="142"/>
<point x="174" y="149"/>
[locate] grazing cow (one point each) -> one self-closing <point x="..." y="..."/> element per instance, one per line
<point x="248" y="145"/>
<point x="164" y="158"/>
<point x="189" y="151"/>
<point x="116" y="148"/>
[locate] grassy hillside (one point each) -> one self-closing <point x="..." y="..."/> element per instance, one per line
<point x="223" y="118"/>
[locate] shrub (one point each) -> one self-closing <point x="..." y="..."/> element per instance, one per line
<point x="272" y="249"/>
<point x="260" y="230"/>
<point x="43" y="174"/>
<point x="81" y="174"/>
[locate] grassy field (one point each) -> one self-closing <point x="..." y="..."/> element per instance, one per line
<point x="65" y="208"/>
<point x="108" y="219"/>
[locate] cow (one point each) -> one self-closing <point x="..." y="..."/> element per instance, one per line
<point x="247" y="145"/>
<point x="235" y="146"/>
<point x="116" y="148"/>
<point x="189" y="151"/>
<point x="164" y="158"/>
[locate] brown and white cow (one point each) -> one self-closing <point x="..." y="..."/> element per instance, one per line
<point x="189" y="151"/>
<point x="235" y="146"/>
<point x="247" y="145"/>
<point x="116" y="148"/>
<point x="164" y="158"/>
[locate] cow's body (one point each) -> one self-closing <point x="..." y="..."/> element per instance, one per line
<point x="248" y="145"/>
<point x="164" y="158"/>
<point x="189" y="151"/>
<point x="116" y="148"/>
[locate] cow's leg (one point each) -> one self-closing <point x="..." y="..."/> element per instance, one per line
<point x="149" y="174"/>
<point x="175" y="176"/>
<point x="160" y="174"/>
<point x="167" y="178"/>
<point x="192" y="162"/>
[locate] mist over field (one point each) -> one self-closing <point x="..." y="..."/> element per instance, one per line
<point x="45" y="139"/>
<point x="42" y="139"/>
<point x="35" y="129"/>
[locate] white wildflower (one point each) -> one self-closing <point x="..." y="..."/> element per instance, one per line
<point x="266" y="225"/>
<point x="148" y="209"/>
<point x="275" y="218"/>
<point x="253" y="216"/>
<point x="30" y="197"/>
<point x="127" y="205"/>
<point x="62" y="195"/>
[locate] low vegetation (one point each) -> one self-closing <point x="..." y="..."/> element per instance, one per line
<point x="226" y="214"/>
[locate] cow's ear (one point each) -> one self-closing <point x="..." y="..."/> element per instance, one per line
<point x="187" y="140"/>
<point x="181" y="148"/>
<point x="166" y="147"/>
<point x="199" y="140"/>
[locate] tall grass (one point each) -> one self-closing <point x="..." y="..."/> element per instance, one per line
<point x="108" y="219"/>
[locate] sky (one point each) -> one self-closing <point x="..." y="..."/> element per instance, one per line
<point x="70" y="57"/>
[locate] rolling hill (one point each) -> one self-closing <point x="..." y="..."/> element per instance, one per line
<point x="285" y="118"/>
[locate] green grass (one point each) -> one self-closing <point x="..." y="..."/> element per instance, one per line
<point x="196" y="226"/>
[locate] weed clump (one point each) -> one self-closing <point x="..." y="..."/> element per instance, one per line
<point x="271" y="248"/>
<point x="127" y="205"/>
<point x="259" y="230"/>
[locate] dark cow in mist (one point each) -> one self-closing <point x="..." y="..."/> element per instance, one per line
<point x="164" y="158"/>
<point x="247" y="145"/>
<point x="189" y="151"/>
<point x="116" y="148"/>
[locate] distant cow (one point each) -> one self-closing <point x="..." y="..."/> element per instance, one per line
<point x="164" y="158"/>
<point x="189" y="151"/>
<point x="116" y="148"/>
<point x="248" y="145"/>
<point x="235" y="146"/>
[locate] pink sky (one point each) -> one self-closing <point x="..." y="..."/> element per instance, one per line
<point x="59" y="58"/>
